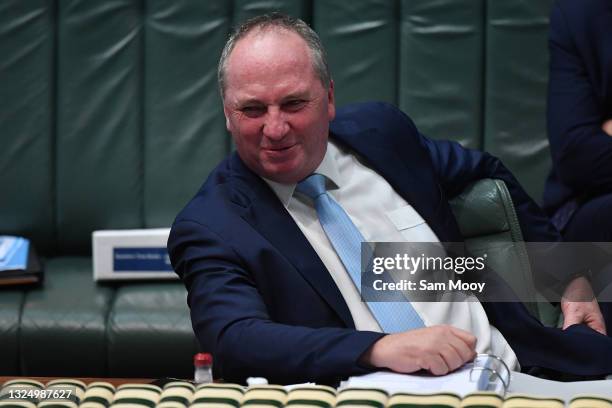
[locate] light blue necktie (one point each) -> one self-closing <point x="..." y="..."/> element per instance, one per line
<point x="393" y="317"/>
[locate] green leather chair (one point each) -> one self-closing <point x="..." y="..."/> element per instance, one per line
<point x="488" y="222"/>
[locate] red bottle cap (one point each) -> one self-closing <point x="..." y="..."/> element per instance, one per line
<point x="202" y="359"/>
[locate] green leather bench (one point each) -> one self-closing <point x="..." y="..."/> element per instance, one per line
<point x="110" y="119"/>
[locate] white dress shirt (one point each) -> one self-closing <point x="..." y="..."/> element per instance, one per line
<point x="381" y="215"/>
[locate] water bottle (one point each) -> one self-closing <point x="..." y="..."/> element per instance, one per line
<point x="202" y="363"/>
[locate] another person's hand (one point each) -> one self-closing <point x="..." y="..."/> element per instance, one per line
<point x="579" y="305"/>
<point x="607" y="127"/>
<point x="438" y="349"/>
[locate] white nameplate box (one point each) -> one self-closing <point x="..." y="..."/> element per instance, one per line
<point x="131" y="255"/>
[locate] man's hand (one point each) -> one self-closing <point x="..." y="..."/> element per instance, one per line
<point x="579" y="305"/>
<point x="607" y="127"/>
<point x="438" y="349"/>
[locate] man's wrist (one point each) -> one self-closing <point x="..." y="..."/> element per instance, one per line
<point x="366" y="359"/>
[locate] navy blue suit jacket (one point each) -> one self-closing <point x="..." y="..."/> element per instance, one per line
<point x="263" y="302"/>
<point x="579" y="101"/>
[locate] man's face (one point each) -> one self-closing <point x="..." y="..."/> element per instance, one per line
<point x="275" y="106"/>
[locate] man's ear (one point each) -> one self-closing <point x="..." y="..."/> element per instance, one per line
<point x="227" y="121"/>
<point x="331" y="102"/>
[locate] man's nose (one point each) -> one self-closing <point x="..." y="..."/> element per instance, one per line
<point x="275" y="126"/>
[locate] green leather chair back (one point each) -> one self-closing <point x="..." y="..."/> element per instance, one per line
<point x="488" y="222"/>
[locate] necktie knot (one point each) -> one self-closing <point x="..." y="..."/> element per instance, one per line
<point x="312" y="186"/>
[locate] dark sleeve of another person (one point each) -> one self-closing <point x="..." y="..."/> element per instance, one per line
<point x="581" y="150"/>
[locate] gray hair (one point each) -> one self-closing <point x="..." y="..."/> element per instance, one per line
<point x="279" y="21"/>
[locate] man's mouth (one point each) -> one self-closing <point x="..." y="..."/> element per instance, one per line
<point x="279" y="148"/>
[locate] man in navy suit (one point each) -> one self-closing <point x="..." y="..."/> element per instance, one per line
<point x="578" y="193"/>
<point x="268" y="294"/>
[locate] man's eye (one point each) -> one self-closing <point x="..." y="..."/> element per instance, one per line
<point x="294" y="105"/>
<point x="253" y="111"/>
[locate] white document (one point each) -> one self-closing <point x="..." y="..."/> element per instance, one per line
<point x="457" y="382"/>
<point x="485" y="373"/>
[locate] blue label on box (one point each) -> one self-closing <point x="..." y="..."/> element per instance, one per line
<point x="141" y="260"/>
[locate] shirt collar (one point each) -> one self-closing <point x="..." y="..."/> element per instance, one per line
<point x="328" y="167"/>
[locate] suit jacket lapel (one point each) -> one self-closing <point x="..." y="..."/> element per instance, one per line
<point x="267" y="215"/>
